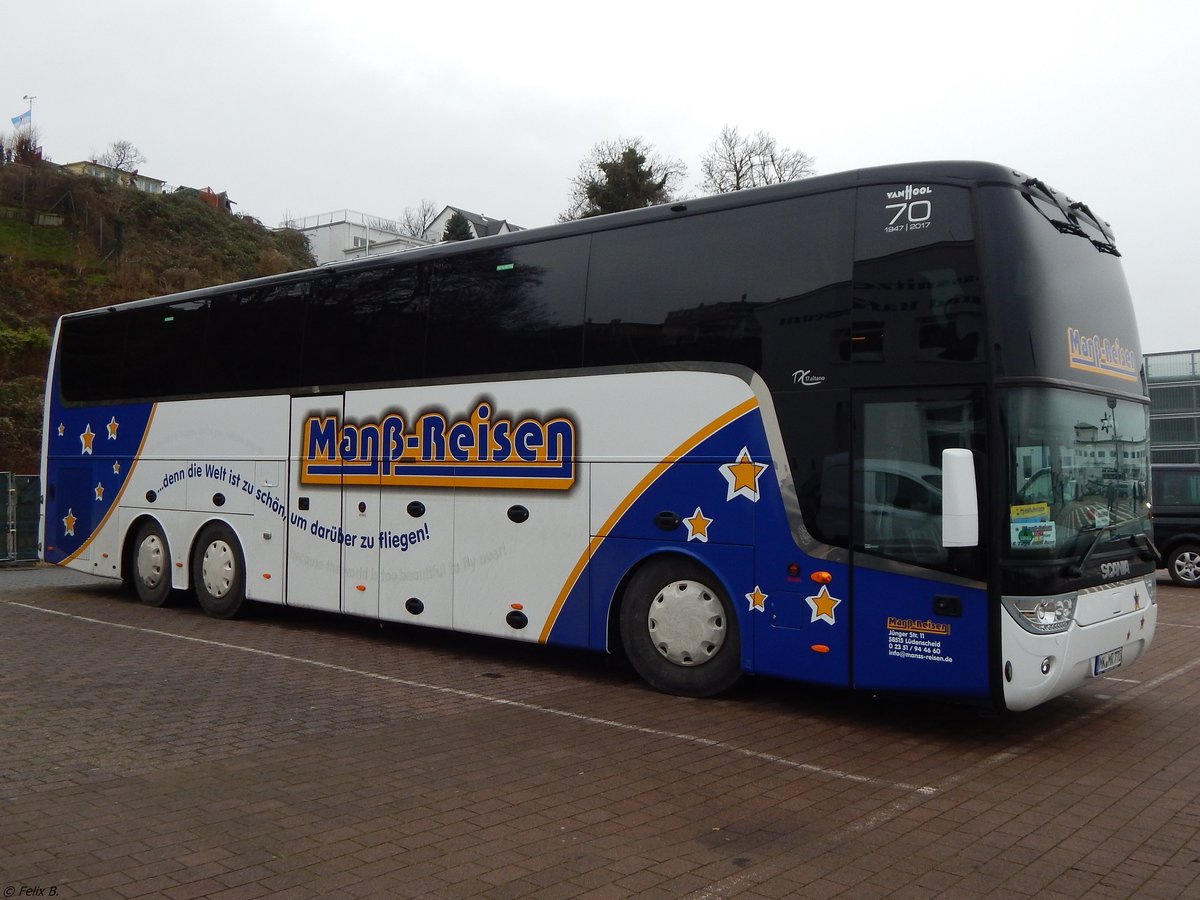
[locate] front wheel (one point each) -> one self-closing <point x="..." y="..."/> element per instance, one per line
<point x="1183" y="564"/>
<point x="679" y="629"/>
<point x="219" y="572"/>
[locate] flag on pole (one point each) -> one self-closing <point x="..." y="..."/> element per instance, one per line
<point x="23" y="119"/>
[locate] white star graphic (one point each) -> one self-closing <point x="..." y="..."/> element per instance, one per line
<point x="743" y="475"/>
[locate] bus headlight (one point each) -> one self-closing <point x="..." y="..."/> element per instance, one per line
<point x="1042" y="615"/>
<point x="1151" y="583"/>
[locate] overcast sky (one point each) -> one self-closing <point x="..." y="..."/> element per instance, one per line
<point x="296" y="108"/>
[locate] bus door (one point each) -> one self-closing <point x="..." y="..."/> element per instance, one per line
<point x="920" y="614"/>
<point x="315" y="533"/>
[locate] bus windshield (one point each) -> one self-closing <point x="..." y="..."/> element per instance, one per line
<point x="1079" y="464"/>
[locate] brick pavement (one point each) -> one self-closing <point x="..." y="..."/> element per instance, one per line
<point x="148" y="752"/>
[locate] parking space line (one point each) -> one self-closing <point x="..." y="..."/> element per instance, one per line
<point x="902" y="805"/>
<point x="809" y="768"/>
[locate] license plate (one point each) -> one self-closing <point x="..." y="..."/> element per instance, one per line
<point x="1106" y="662"/>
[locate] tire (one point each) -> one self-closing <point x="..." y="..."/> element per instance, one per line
<point x="1183" y="564"/>
<point x="679" y="629"/>
<point x="150" y="565"/>
<point x="219" y="572"/>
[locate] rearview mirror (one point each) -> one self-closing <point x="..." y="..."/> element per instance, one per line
<point x="960" y="500"/>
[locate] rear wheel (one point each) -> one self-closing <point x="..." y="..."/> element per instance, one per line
<point x="679" y="629"/>
<point x="1183" y="564"/>
<point x="151" y="565"/>
<point x="219" y="572"/>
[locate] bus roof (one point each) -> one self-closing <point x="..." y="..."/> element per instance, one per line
<point x="962" y="172"/>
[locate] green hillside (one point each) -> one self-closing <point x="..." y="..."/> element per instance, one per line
<point x="69" y="242"/>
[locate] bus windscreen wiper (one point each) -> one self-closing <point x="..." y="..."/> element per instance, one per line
<point x="1143" y="542"/>
<point x="1077" y="570"/>
<point x="1072" y="212"/>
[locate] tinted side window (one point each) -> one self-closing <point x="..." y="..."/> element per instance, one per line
<point x="698" y="288"/>
<point x="255" y="339"/>
<point x="512" y="309"/>
<point x="163" y="354"/>
<point x="366" y="326"/>
<point x="1179" y="489"/>
<point x="89" y="344"/>
<point x="149" y="351"/>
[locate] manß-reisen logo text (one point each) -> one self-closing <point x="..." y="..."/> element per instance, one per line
<point x="1101" y="356"/>
<point x="479" y="449"/>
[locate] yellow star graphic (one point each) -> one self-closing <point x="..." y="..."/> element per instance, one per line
<point x="757" y="599"/>
<point x="697" y="526"/>
<point x="69" y="521"/>
<point x="116" y="468"/>
<point x="823" y="605"/>
<point x="62" y="429"/>
<point x="86" y="439"/>
<point x="99" y="491"/>
<point x="112" y="429"/>
<point x="743" y="476"/>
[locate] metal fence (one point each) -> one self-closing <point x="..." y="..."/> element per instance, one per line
<point x="1183" y="365"/>
<point x="19" y="497"/>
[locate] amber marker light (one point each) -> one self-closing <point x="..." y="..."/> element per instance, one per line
<point x="360" y="587"/>
<point x="517" y="605"/>
<point x="821" y="577"/>
<point x="267" y="575"/>
<point x="820" y="648"/>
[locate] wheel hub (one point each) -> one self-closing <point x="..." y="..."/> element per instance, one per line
<point x="217" y="569"/>
<point x="687" y="623"/>
<point x="150" y="561"/>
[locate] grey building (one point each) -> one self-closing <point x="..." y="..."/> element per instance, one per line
<point x="1174" y="382"/>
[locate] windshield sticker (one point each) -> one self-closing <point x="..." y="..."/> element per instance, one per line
<point x="1033" y="535"/>
<point x="1101" y="356"/>
<point x="1029" y="512"/>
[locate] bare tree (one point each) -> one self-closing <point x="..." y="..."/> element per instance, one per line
<point x="657" y="178"/>
<point x="735" y="162"/>
<point x="24" y="146"/>
<point x="122" y="156"/>
<point x="417" y="219"/>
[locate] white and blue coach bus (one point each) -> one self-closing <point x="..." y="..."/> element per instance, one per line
<point x="883" y="430"/>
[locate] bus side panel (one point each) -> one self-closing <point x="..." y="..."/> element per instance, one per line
<point x="804" y="631"/>
<point x="216" y="460"/>
<point x="416" y="556"/>
<point x="900" y="647"/>
<point x="512" y="554"/>
<point x="724" y="491"/>
<point x="719" y="503"/>
<point x="91" y="455"/>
